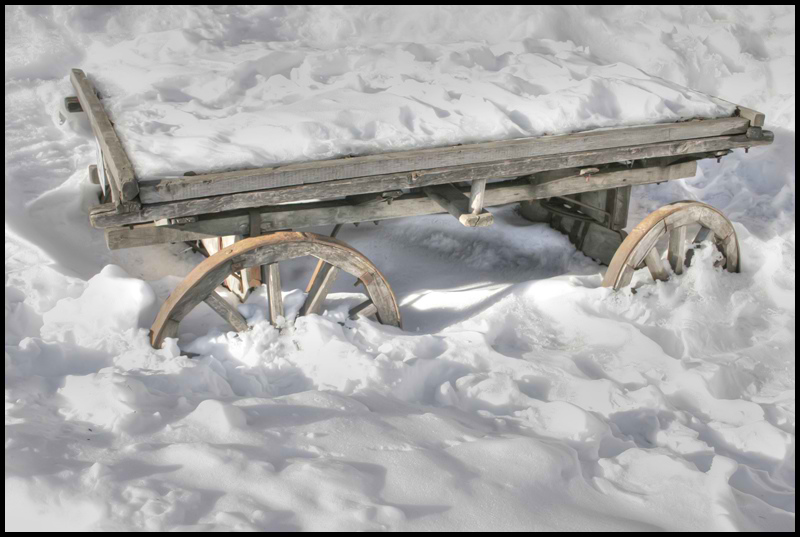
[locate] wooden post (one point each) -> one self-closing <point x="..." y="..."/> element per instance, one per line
<point x="454" y="202"/>
<point x="273" y="281"/>
<point x="477" y="190"/>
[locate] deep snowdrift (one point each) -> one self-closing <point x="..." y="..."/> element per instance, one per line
<point x="520" y="395"/>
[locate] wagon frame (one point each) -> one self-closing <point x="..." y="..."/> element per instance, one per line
<point x="580" y="183"/>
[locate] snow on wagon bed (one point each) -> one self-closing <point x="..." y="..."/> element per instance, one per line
<point x="182" y="106"/>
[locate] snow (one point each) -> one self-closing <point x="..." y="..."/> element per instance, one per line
<point x="520" y="394"/>
<point x="261" y="104"/>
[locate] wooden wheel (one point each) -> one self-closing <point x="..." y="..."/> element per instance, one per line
<point x="639" y="248"/>
<point x="269" y="250"/>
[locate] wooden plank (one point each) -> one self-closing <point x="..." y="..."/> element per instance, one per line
<point x="756" y="118"/>
<point x="457" y="204"/>
<point x="118" y="162"/>
<point x="274" y="292"/>
<point x="200" y="186"/>
<point x="389" y="182"/>
<point x="601" y="181"/>
<point x="305" y="215"/>
<point x="226" y="311"/>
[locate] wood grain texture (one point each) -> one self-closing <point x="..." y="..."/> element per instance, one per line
<point x="306" y="215"/>
<point x="450" y="198"/>
<point x="274" y="292"/>
<point x="226" y="311"/>
<point x="118" y="163"/>
<point x="383" y="183"/>
<point x="671" y="219"/>
<point x="199" y="186"/>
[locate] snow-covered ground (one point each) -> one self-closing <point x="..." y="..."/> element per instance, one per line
<point x="520" y="394"/>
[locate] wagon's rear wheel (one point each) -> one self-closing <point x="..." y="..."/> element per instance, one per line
<point x="640" y="248"/>
<point x="269" y="250"/>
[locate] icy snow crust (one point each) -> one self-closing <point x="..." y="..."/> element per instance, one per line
<point x="183" y="104"/>
<point x="520" y="395"/>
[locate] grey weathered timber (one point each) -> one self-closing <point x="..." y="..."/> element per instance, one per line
<point x="274" y="293"/>
<point x="305" y="215"/>
<point x="670" y="219"/>
<point x="476" y="193"/>
<point x="382" y="183"/>
<point x="320" y="286"/>
<point x="118" y="163"/>
<point x="199" y="186"/>
<point x="756" y="118"/>
<point x="457" y="204"/>
<point x="72" y="104"/>
<point x="226" y="311"/>
<point x="94" y="177"/>
<point x="655" y="266"/>
<point x="676" y="252"/>
<point x="365" y="309"/>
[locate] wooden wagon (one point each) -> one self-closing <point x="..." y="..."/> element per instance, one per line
<point x="580" y="183"/>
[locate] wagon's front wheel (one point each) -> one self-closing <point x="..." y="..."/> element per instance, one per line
<point x="268" y="250"/>
<point x="675" y="221"/>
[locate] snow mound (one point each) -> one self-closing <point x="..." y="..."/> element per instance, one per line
<point x="519" y="396"/>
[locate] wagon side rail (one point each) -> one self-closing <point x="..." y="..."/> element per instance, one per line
<point x="114" y="160"/>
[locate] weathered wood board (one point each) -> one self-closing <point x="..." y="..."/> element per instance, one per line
<point x="305" y="215"/>
<point x="104" y="217"/>
<point x="200" y="186"/>
<point x="116" y="159"/>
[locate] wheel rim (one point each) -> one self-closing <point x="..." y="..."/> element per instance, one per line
<point x="639" y="247"/>
<point x="200" y="284"/>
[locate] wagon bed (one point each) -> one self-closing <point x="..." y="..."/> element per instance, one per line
<point x="546" y="172"/>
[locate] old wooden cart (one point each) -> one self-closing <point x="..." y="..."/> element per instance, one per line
<point x="580" y="183"/>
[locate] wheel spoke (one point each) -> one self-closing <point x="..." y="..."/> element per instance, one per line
<point x="226" y="311"/>
<point x="318" y="289"/>
<point x="702" y="234"/>
<point x="273" y="281"/>
<point x="655" y="266"/>
<point x="365" y="309"/>
<point x="676" y="252"/>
